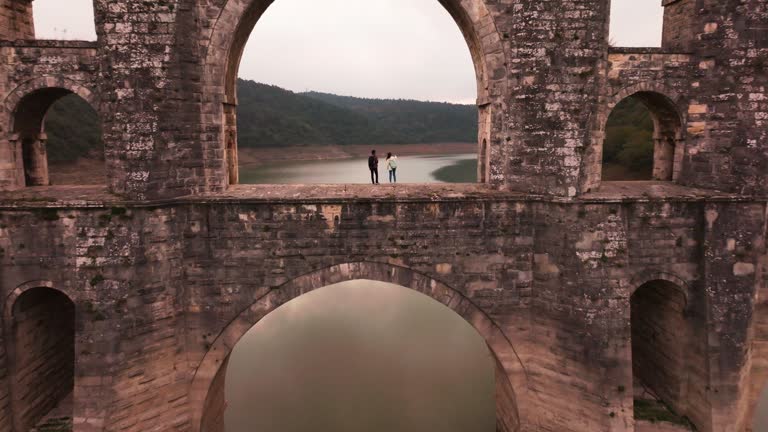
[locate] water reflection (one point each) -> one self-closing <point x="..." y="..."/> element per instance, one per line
<point x="361" y="356"/>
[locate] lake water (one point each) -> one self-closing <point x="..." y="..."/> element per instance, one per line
<point x="448" y="168"/>
<point x="361" y="356"/>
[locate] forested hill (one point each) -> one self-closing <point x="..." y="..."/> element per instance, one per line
<point x="271" y="116"/>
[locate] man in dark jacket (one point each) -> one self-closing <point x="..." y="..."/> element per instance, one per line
<point x="373" y="165"/>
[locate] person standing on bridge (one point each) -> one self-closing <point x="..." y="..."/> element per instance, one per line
<point x="373" y="165"/>
<point x="392" y="167"/>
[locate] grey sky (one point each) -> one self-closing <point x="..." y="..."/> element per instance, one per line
<point x="370" y="48"/>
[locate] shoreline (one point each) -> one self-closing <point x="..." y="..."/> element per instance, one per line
<point x="92" y="171"/>
<point x="253" y="157"/>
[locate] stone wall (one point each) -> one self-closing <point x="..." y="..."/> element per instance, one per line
<point x="726" y="146"/>
<point x="159" y="289"/>
<point x="16" y="20"/>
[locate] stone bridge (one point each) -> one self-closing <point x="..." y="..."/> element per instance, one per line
<point x="131" y="296"/>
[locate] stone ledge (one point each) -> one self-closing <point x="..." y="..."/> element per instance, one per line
<point x="48" y="43"/>
<point x="609" y="193"/>
<point x="646" y="50"/>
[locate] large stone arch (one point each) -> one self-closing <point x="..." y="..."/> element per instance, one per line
<point x="206" y="403"/>
<point x="668" y="112"/>
<point x="235" y="22"/>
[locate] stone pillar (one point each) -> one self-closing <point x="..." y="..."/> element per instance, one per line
<point x="733" y="237"/>
<point x="727" y="146"/>
<point x="484" y="142"/>
<point x="663" y="158"/>
<point x="557" y="58"/>
<point x="230" y="133"/>
<point x="35" y="158"/>
<point x="16" y="21"/>
<point x="678" y="32"/>
<point x="11" y="164"/>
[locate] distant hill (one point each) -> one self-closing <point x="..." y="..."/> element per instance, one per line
<point x="73" y="130"/>
<point x="271" y="116"/>
<point x="629" y="139"/>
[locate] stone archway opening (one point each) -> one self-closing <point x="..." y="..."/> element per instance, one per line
<point x="502" y="372"/>
<point x="664" y="358"/>
<point x="644" y="139"/>
<point x="471" y="18"/>
<point x="41" y="351"/>
<point x="56" y="138"/>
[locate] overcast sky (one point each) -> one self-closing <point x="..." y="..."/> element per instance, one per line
<point x="371" y="48"/>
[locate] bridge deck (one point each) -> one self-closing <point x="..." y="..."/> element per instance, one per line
<point x="97" y="196"/>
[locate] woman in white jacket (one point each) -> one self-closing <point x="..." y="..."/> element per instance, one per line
<point x="392" y="167"/>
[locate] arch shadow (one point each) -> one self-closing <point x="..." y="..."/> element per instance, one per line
<point x="511" y="382"/>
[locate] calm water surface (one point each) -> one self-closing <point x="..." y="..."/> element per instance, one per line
<point x="361" y="356"/>
<point x="450" y="168"/>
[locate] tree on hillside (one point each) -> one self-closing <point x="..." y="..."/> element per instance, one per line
<point x="628" y="146"/>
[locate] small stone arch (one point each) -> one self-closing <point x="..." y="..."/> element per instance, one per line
<point x="669" y="343"/>
<point x="24" y="114"/>
<point x="206" y="391"/>
<point x="237" y="18"/>
<point x="14" y="295"/>
<point x="11" y="101"/>
<point x="669" y="119"/>
<point x="39" y="321"/>
<point x="647" y="276"/>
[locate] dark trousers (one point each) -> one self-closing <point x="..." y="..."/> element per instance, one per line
<point x="375" y="175"/>
<point x="393" y="175"/>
